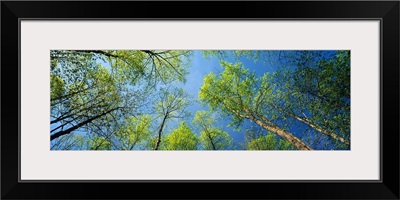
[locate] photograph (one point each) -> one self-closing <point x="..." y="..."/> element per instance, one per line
<point x="199" y="100"/>
<point x="261" y="97"/>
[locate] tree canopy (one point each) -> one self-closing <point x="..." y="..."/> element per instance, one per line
<point x="184" y="100"/>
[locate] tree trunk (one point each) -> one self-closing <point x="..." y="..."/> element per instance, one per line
<point x="274" y="129"/>
<point x="284" y="134"/>
<point x="69" y="130"/>
<point x="211" y="141"/>
<point x="160" y="132"/>
<point x="323" y="131"/>
<point x="314" y="126"/>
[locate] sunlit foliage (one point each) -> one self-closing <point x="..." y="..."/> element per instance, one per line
<point x="135" y="100"/>
<point x="211" y="138"/>
<point x="181" y="138"/>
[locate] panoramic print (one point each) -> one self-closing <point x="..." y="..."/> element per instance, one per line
<point x="199" y="100"/>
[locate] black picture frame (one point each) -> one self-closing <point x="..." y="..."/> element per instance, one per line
<point x="386" y="11"/>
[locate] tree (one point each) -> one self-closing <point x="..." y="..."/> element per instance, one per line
<point x="134" y="132"/>
<point x="257" y="139"/>
<point x="99" y="143"/>
<point x="269" y="142"/>
<point x="211" y="138"/>
<point x="172" y="105"/>
<point x="125" y="100"/>
<point x="237" y="92"/>
<point x="255" y="55"/>
<point x="181" y="138"/>
<point x="132" y="65"/>
<point x="91" y="90"/>
<point x="316" y="92"/>
<point x="312" y="87"/>
<point x="69" y="142"/>
<point x="87" y="101"/>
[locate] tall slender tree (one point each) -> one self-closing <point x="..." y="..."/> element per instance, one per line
<point x="211" y="137"/>
<point x="172" y="105"/>
<point x="237" y="92"/>
<point x="312" y="87"/>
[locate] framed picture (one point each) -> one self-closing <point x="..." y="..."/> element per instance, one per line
<point x="275" y="100"/>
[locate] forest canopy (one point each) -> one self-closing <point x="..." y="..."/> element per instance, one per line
<point x="199" y="100"/>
